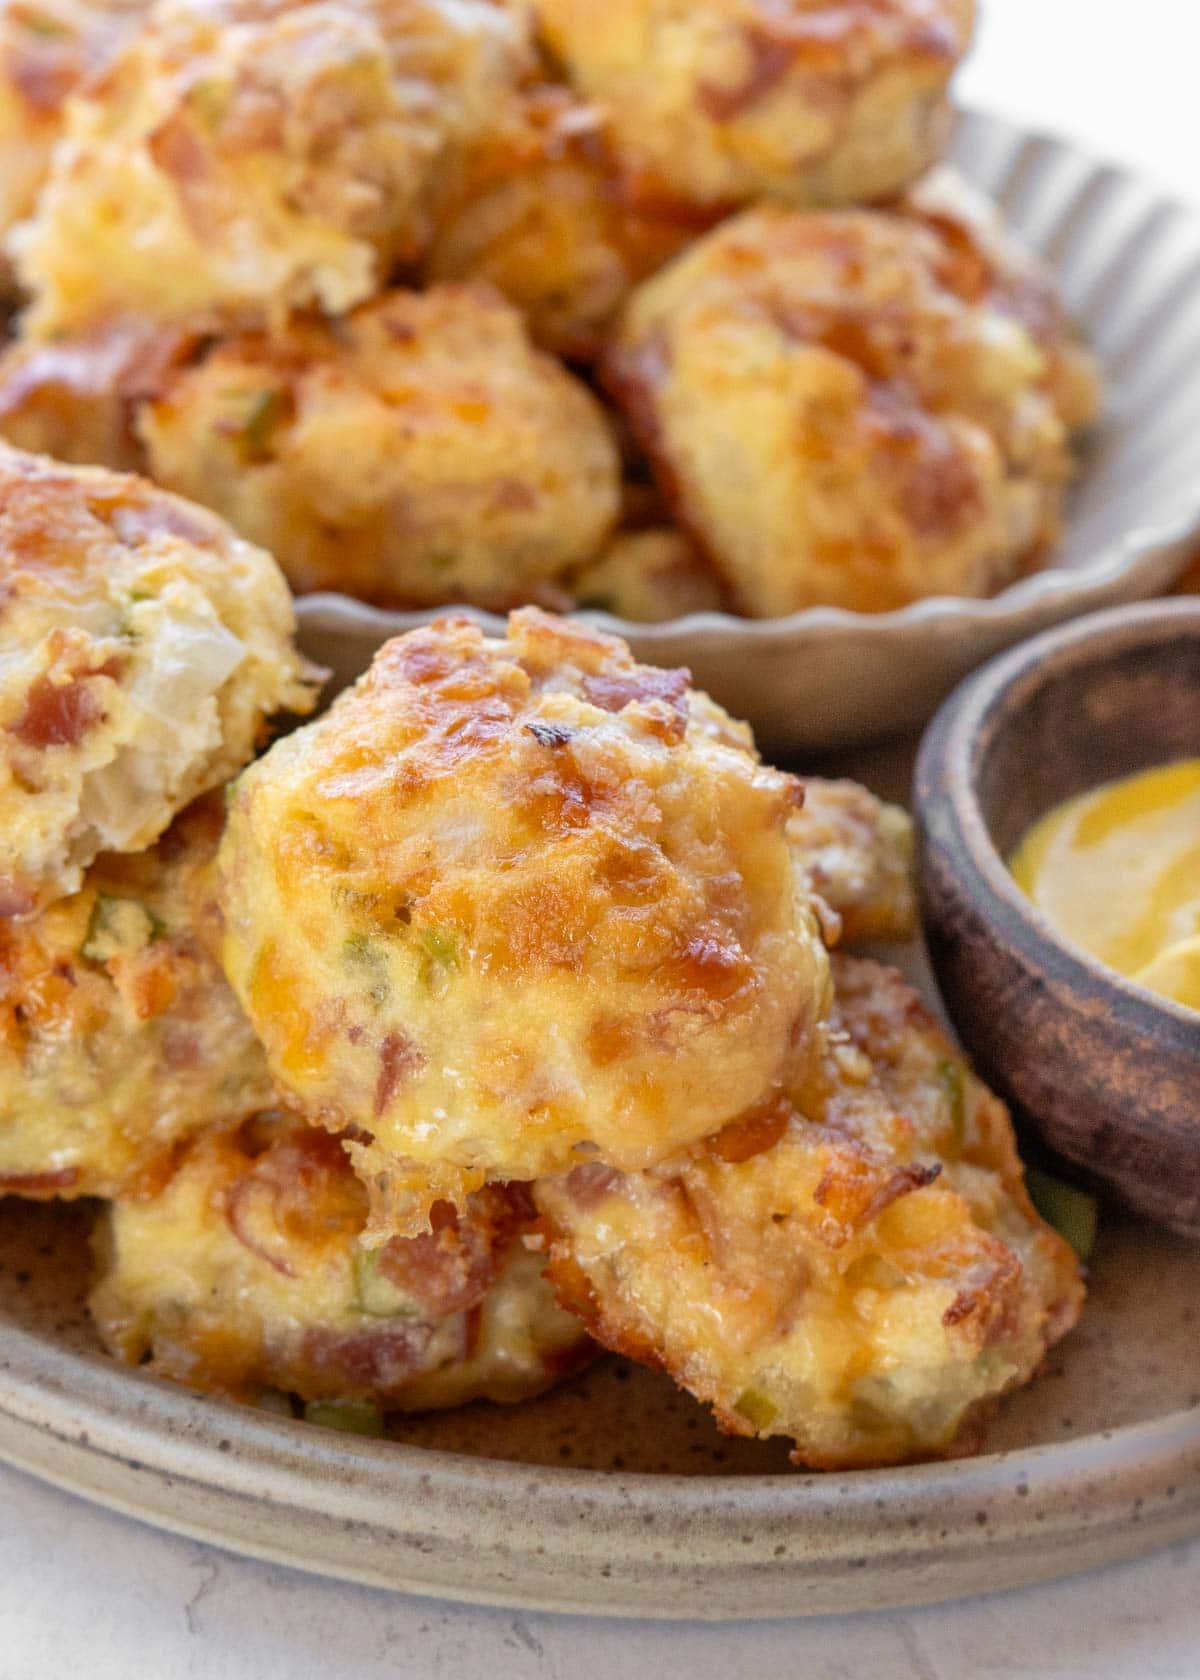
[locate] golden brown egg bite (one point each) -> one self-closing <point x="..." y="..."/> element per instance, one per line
<point x="857" y="854"/>
<point x="508" y="905"/>
<point x="856" y="408"/>
<point x="861" y="1271"/>
<point x="983" y="263"/>
<point x="228" y="421"/>
<point x="78" y="398"/>
<point x="48" y="51"/>
<point x="647" y="577"/>
<point x="143" y="647"/>
<point x="248" y="157"/>
<point x="119" y="1036"/>
<point x="419" y="451"/>
<point x="245" y="1274"/>
<point x="719" y="102"/>
<point x="537" y="208"/>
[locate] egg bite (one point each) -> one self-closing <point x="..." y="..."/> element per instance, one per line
<point x="248" y="157"/>
<point x="417" y="452"/>
<point x="856" y="408"/>
<point x="77" y="398"/>
<point x="726" y="101"/>
<point x="537" y="208"/>
<point x="647" y="577"/>
<point x="859" y="1270"/>
<point x="144" y="647"/>
<point x="48" y="50"/>
<point x="857" y="855"/>
<point x="508" y="904"/>
<point x="245" y="1276"/>
<point x="119" y="1035"/>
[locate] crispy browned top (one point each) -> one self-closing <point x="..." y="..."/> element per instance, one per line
<point x="488" y="836"/>
<point x="859" y="1268"/>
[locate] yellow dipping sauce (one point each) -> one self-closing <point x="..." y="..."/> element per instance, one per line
<point x="1117" y="870"/>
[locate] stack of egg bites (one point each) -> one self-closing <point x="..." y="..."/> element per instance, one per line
<point x="504" y="1009"/>
<point x="657" y="306"/>
<point x="499" y="1011"/>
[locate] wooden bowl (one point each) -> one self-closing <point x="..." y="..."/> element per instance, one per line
<point x="1105" y="1071"/>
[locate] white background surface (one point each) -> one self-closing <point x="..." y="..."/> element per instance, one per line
<point x="83" y="1593"/>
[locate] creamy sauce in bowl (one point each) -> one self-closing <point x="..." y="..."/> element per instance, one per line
<point x="1117" y="870"/>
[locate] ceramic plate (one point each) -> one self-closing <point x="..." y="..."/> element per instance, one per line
<point x="615" y="1494"/>
<point x="1128" y="264"/>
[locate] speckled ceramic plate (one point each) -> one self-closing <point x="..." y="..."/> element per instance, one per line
<point x="1128" y="265"/>
<point x="615" y="1494"/>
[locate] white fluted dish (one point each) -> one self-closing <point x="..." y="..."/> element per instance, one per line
<point x="1127" y="261"/>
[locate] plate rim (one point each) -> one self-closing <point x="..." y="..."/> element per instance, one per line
<point x="429" y="1520"/>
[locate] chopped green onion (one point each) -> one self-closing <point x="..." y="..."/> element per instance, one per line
<point x="209" y="98"/>
<point x="954" y="1089"/>
<point x="38" y="24"/>
<point x="756" y="1408"/>
<point x="375" y="1295"/>
<point x="441" y="951"/>
<point x="364" y="956"/>
<point x="354" y="1417"/>
<point x="120" y="924"/>
<point x="266" y="411"/>
<point x="1072" y="1212"/>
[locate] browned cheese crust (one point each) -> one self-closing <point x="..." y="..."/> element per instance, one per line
<point x="538" y="208"/>
<point x="512" y="904"/>
<point x="78" y="398"/>
<point x="242" y="158"/>
<point x="722" y="102"/>
<point x="418" y="451"/>
<point x="861" y="1270"/>
<point x="245" y="1274"/>
<point x="858" y="408"/>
